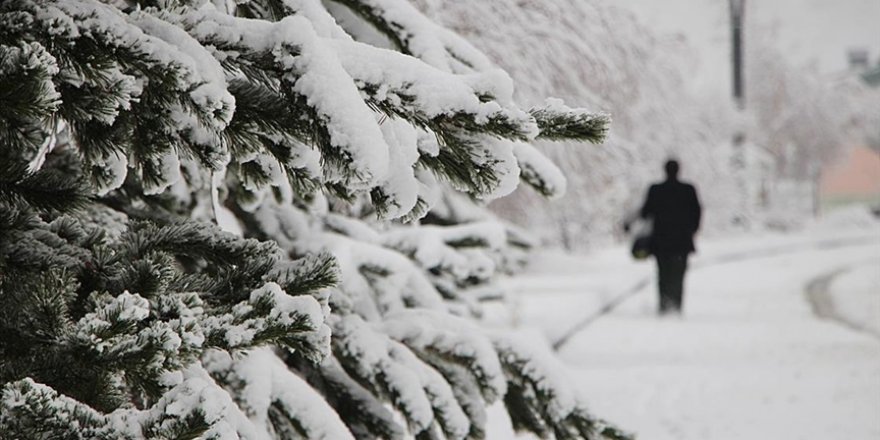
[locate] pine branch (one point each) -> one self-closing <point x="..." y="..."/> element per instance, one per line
<point x="225" y="285"/>
<point x="307" y="274"/>
<point x="35" y="306"/>
<point x="558" y="122"/>
<point x="458" y="163"/>
<point x="28" y="95"/>
<point x="202" y="241"/>
<point x="271" y="316"/>
<point x="43" y="190"/>
<point x="264" y="121"/>
<point x="364" y="414"/>
<point x="100" y="54"/>
<point x="263" y="111"/>
<point x="430" y="98"/>
<point x="271" y="10"/>
<point x="31" y="410"/>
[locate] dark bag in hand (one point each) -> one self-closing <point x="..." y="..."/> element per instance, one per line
<point x="641" y="248"/>
<point x="640" y="230"/>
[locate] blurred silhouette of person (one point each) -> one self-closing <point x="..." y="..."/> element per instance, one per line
<point x="674" y="210"/>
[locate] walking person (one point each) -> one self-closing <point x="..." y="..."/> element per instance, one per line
<point x="674" y="210"/>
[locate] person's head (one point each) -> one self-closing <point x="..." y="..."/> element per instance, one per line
<point x="671" y="168"/>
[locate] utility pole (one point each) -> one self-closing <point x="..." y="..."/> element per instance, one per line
<point x="738" y="155"/>
<point x="736" y="26"/>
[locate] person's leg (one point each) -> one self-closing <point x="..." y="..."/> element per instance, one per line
<point x="678" y="267"/>
<point x="663" y="283"/>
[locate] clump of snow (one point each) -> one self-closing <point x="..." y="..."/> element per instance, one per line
<point x="536" y="167"/>
<point x="114" y="168"/>
<point x="196" y="396"/>
<point x="210" y="95"/>
<point x="499" y="153"/>
<point x="324" y="23"/>
<point x="400" y="186"/>
<point x="165" y="172"/>
<point x="427" y="143"/>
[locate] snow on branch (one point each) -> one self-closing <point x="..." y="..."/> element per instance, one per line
<point x="26" y="403"/>
<point x="130" y="72"/>
<point x="324" y="23"/>
<point x="272" y="395"/>
<point x="451" y="338"/>
<point x="538" y="397"/>
<point x="311" y="74"/>
<point x="417" y="35"/>
<point x="455" y="257"/>
<point x="195" y="407"/>
<point x="270" y="315"/>
<point x="376" y="279"/>
<point x="538" y="171"/>
<point x="403" y="86"/>
<point x="363" y="411"/>
<point x="426" y="399"/>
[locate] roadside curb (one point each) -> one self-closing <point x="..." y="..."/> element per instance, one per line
<point x="822" y="302"/>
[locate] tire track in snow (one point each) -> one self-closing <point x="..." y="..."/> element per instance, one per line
<point x="821" y="301"/>
<point x="732" y="257"/>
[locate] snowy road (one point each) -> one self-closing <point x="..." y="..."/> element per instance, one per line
<point x="750" y="360"/>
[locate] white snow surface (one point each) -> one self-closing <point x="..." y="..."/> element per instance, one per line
<point x="748" y="360"/>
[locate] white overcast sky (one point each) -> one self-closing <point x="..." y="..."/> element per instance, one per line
<point x="810" y="32"/>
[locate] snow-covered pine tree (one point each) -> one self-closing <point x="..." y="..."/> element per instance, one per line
<point x="142" y="141"/>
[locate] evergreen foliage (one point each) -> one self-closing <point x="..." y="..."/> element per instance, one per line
<point x="240" y="222"/>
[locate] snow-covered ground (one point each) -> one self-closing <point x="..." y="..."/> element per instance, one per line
<point x="751" y="359"/>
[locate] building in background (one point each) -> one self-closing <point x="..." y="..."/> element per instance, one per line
<point x="855" y="178"/>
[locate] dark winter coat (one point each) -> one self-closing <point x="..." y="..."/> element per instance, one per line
<point x="675" y="212"/>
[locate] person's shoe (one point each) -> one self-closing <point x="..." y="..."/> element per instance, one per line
<point x="670" y="313"/>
